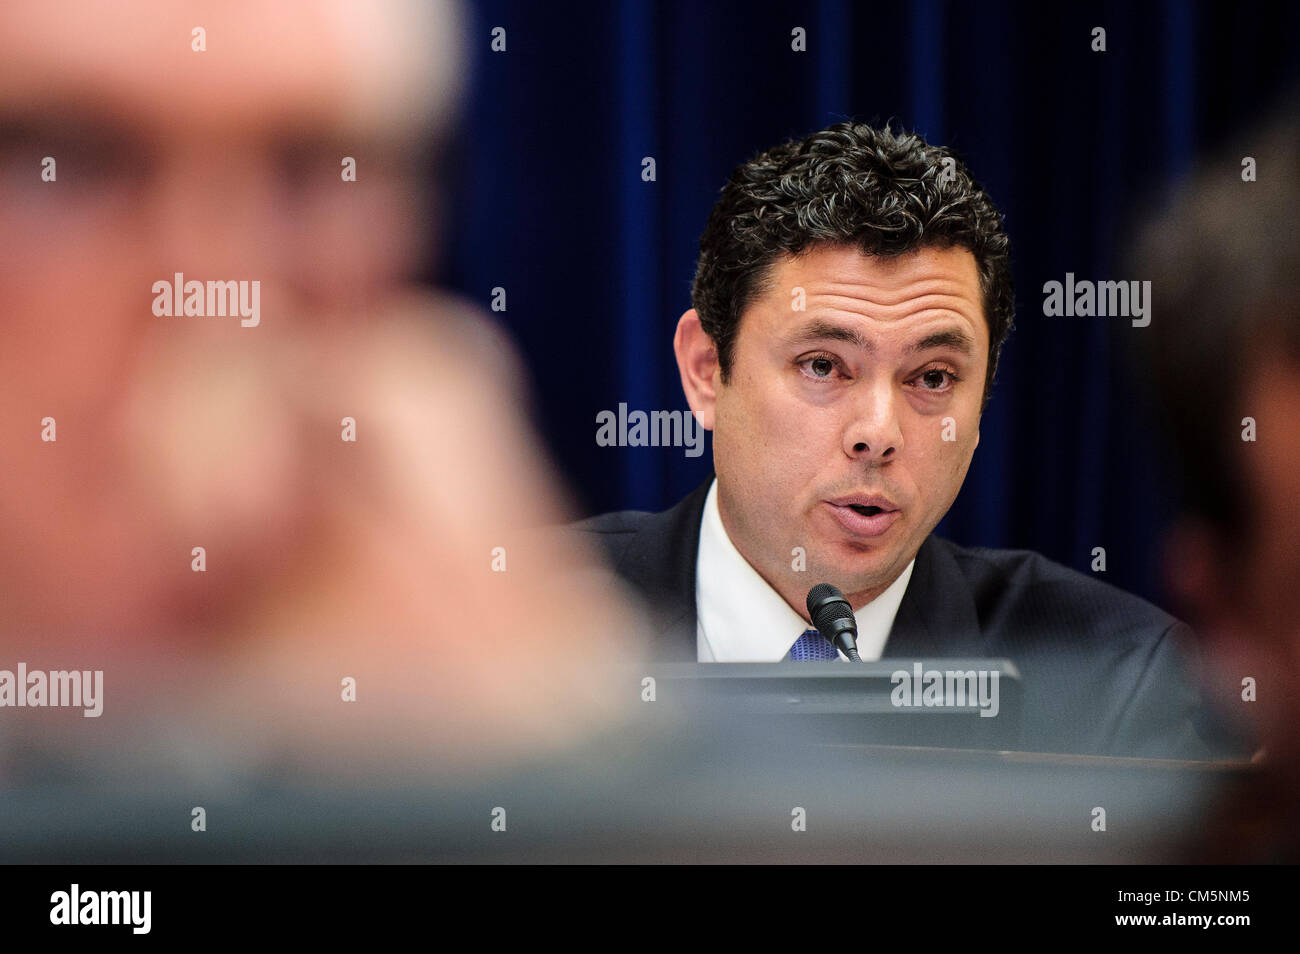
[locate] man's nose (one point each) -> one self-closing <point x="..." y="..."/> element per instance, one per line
<point x="211" y="212"/>
<point x="873" y="432"/>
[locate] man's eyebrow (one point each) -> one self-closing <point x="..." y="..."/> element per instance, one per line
<point x="951" y="338"/>
<point x="818" y="330"/>
<point x="61" y="121"/>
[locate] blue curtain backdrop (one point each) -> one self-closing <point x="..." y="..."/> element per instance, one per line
<point x="547" y="201"/>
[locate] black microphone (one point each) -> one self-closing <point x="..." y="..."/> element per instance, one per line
<point x="831" y="613"/>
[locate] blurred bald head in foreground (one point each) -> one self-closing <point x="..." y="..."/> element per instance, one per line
<point x="1224" y="370"/>
<point x="183" y="505"/>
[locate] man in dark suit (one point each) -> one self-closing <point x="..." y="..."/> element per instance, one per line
<point x="852" y="294"/>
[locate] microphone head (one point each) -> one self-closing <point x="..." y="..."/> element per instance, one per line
<point x="827" y="605"/>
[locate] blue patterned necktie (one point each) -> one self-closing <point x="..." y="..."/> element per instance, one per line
<point x="812" y="645"/>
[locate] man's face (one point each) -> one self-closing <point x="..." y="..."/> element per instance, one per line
<point x="224" y="164"/>
<point x="846" y="428"/>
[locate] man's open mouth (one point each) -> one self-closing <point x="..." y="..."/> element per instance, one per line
<point x="865" y="511"/>
<point x="870" y="519"/>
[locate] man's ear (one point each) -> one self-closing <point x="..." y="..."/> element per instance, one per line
<point x="697" y="360"/>
<point x="1191" y="574"/>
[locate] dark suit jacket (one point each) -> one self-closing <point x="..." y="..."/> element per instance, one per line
<point x="1103" y="671"/>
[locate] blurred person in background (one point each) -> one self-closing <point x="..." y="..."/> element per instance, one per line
<point x="1224" y="372"/>
<point x="213" y="140"/>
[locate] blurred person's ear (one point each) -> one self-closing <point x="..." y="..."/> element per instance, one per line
<point x="1199" y="575"/>
<point x="697" y="360"/>
<point x="1202" y="575"/>
<point x="1189" y="569"/>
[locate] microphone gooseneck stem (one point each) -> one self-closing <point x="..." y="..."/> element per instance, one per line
<point x="846" y="641"/>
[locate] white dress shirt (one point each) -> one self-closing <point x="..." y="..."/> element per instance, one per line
<point x="742" y="619"/>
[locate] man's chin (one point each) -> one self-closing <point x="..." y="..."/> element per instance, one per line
<point x="865" y="572"/>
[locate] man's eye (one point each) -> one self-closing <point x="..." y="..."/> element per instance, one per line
<point x="936" y="379"/>
<point x="819" y="367"/>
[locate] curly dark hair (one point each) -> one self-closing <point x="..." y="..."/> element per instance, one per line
<point x="848" y="184"/>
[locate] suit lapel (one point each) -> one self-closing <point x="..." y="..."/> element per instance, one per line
<point x="673" y="586"/>
<point x="937" y="616"/>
